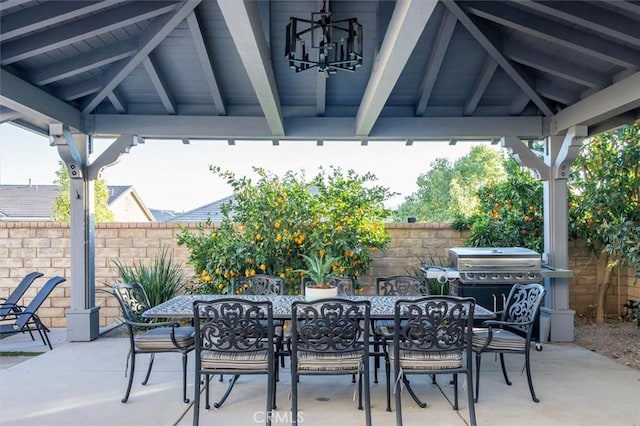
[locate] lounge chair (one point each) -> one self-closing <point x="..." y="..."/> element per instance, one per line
<point x="10" y="304"/>
<point x="25" y="318"/>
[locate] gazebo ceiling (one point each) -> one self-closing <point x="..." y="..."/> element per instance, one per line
<point x="431" y="70"/>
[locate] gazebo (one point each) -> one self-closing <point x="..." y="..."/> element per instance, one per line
<point x="411" y="71"/>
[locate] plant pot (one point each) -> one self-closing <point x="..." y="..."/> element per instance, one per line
<point x="314" y="292"/>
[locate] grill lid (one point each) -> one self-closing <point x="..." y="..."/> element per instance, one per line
<point x="496" y="264"/>
<point x="493" y="252"/>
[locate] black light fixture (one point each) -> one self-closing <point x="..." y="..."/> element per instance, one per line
<point x="337" y="45"/>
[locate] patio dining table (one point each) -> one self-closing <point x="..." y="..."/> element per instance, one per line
<point x="382" y="307"/>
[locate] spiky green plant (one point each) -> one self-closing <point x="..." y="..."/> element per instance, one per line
<point x="162" y="279"/>
<point x="320" y="269"/>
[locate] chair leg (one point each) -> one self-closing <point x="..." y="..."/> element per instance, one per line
<point x="207" y="393"/>
<point x="367" y="397"/>
<point x="528" y="366"/>
<point x="42" y="330"/>
<point x="184" y="378"/>
<point x="504" y="369"/>
<point x="387" y="372"/>
<point x="294" y="395"/>
<point x="196" y="397"/>
<point x="398" y="398"/>
<point x="275" y="384"/>
<point x="455" y="391"/>
<point x="412" y="393"/>
<point x="232" y="383"/>
<point x="359" y="391"/>
<point x="146" y="378"/>
<point x="271" y="395"/>
<point x="477" y="375"/>
<point x="376" y="359"/>
<point x="131" y="371"/>
<point x="470" y="401"/>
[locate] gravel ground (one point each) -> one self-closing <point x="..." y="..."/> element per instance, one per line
<point x="617" y="340"/>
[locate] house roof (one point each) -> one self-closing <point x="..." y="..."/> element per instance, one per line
<point x="163" y="215"/>
<point x="431" y="70"/>
<point x="210" y="211"/>
<point x="35" y="202"/>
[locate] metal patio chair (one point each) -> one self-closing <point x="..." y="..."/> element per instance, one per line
<point x="263" y="285"/>
<point x="382" y="330"/>
<point x="259" y="284"/>
<point x="432" y="336"/>
<point x="512" y="333"/>
<point x="148" y="337"/>
<point x="234" y="336"/>
<point x="330" y="337"/>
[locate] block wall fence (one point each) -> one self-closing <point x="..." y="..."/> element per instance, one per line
<point x="44" y="247"/>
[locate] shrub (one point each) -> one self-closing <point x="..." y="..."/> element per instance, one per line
<point x="271" y="223"/>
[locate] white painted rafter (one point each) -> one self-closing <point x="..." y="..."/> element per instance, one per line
<point x="28" y="100"/>
<point x="117" y="100"/>
<point x="159" y="83"/>
<point x="440" y="45"/>
<point x="553" y="65"/>
<point x="611" y="101"/>
<point x="407" y="23"/>
<point x="567" y="36"/>
<point x="489" y="41"/>
<point x="243" y="21"/>
<point x="206" y="59"/>
<point x="159" y="28"/>
<point x="484" y="78"/>
<point x="81" y="29"/>
<point x="47" y="14"/>
<point x="591" y="18"/>
<point x="325" y="128"/>
<point x="85" y="62"/>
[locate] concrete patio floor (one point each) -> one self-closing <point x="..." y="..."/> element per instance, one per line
<point x="83" y="383"/>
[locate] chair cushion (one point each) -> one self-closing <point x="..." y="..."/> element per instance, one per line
<point x="245" y="361"/>
<point x="350" y="361"/>
<point x="502" y="340"/>
<point x="427" y="360"/>
<point x="160" y="338"/>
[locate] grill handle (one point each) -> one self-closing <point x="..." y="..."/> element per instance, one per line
<point x="494" y="266"/>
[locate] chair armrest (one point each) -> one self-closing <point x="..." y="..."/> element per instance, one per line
<point x="14" y="307"/>
<point x="15" y="315"/>
<point x="145" y="325"/>
<point x="172" y="324"/>
<point x="489" y="325"/>
<point x="493" y="323"/>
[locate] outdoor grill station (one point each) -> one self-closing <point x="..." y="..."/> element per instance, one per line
<point x="488" y="273"/>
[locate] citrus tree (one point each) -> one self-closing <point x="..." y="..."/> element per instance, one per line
<point x="62" y="200"/>
<point x="272" y="222"/>
<point x="509" y="212"/>
<point x="605" y="203"/>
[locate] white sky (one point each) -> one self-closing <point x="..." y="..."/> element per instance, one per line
<point x="168" y="174"/>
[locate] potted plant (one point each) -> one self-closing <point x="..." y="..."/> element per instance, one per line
<point x="320" y="271"/>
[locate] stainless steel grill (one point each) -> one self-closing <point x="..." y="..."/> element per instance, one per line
<point x="496" y="265"/>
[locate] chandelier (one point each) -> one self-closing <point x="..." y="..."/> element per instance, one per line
<point x="336" y="45"/>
